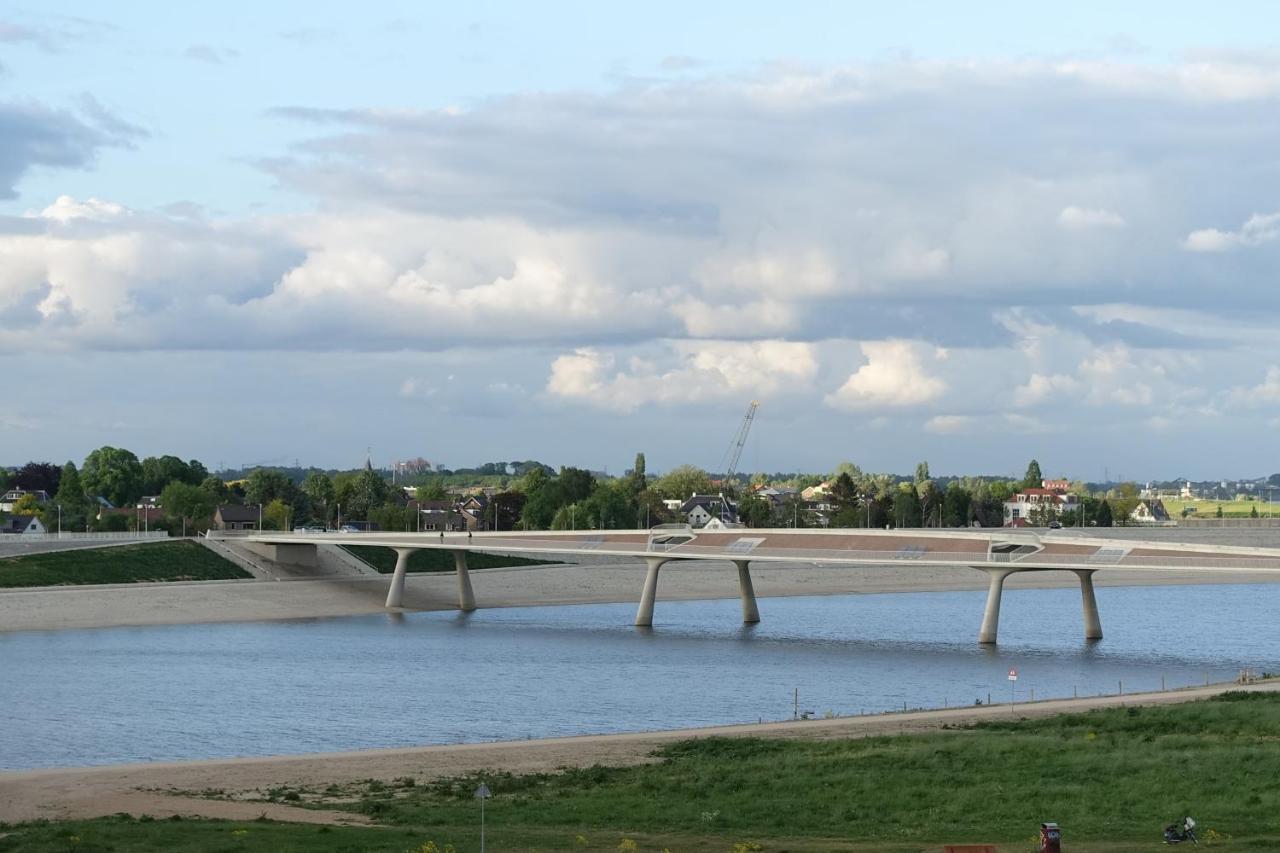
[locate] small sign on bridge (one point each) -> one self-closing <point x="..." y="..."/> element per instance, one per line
<point x="1013" y="674"/>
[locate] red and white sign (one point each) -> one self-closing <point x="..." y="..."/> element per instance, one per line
<point x="1013" y="674"/>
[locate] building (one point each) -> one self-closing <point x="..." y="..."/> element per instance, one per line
<point x="471" y="511"/>
<point x="236" y="517"/>
<point x="1038" y="507"/>
<point x="438" y="515"/>
<point x="23" y="524"/>
<point x="698" y="510"/>
<point x="1149" y="512"/>
<point x="11" y="497"/>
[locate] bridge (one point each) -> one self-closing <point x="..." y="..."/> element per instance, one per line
<point x="998" y="553"/>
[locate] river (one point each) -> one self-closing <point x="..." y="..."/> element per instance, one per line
<point x="82" y="697"/>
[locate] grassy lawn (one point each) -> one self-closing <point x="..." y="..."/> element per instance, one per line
<point x="1230" y="509"/>
<point x="384" y="559"/>
<point x="1111" y="778"/>
<point x="159" y="561"/>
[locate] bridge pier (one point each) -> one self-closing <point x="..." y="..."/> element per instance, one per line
<point x="466" y="598"/>
<point x="395" y="595"/>
<point x="1092" y="622"/>
<point x="644" y="616"/>
<point x="991" y="616"/>
<point x="750" y="613"/>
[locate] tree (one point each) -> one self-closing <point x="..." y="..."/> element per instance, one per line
<point x="956" y="506"/>
<point x="160" y="471"/>
<point x="275" y="515"/>
<point x="319" y="491"/>
<point x="187" y="504"/>
<point x="576" y="484"/>
<point x="265" y="485"/>
<point x="755" y="511"/>
<point x="216" y="488"/>
<point x="683" y="482"/>
<point x="1033" y="478"/>
<point x="906" y="507"/>
<point x="113" y="473"/>
<point x="71" y="498"/>
<point x="38" y="476"/>
<point x="1103" y="516"/>
<point x="922" y="472"/>
<point x="844" y="492"/>
<point x="26" y="505"/>
<point x="637" y="482"/>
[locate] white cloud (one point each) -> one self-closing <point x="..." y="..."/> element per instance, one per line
<point x="66" y="209"/>
<point x="703" y="371"/>
<point x="1265" y="393"/>
<point x="1080" y="218"/>
<point x="1258" y="229"/>
<point x="894" y="376"/>
<point x="1040" y="387"/>
<point x="949" y="424"/>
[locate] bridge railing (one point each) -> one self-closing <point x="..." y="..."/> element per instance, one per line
<point x="601" y="546"/>
<point x="87" y="536"/>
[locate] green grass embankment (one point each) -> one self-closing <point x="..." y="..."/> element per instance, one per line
<point x="158" y="561"/>
<point x="426" y="560"/>
<point x="1111" y="778"/>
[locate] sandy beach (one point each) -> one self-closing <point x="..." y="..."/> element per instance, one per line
<point x="150" y="788"/>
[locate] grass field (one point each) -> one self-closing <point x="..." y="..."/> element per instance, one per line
<point x="159" y="561"/>
<point x="1230" y="509"/>
<point x="384" y="560"/>
<point x="1111" y="778"/>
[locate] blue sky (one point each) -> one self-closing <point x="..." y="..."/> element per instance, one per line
<point x="572" y="231"/>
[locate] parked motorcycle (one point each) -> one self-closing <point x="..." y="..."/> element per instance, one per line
<point x="1178" y="833"/>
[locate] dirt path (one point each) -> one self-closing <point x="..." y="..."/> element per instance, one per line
<point x="145" y="788"/>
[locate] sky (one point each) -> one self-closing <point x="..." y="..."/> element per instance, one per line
<point x="970" y="234"/>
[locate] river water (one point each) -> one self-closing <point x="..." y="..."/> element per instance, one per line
<point x="70" y="698"/>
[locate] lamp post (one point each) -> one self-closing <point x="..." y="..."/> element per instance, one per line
<point x="59" y="521"/>
<point x="482" y="794"/>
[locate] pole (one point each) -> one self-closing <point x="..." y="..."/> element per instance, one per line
<point x="482" y="825"/>
<point x="59" y="521"/>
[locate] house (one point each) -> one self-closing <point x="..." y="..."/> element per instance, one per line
<point x="815" y="493"/>
<point x="471" y="511"/>
<point x="700" y="509"/>
<point x="1149" y="512"/>
<point x="11" y="497"/>
<point x="236" y="517"/>
<point x="1038" y="507"/>
<point x="23" y="524"/>
<point x="437" y="515"/>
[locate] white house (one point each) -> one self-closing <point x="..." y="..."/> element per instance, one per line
<point x="1039" y="506"/>
<point x="23" y="524"/>
<point x="1149" y="512"/>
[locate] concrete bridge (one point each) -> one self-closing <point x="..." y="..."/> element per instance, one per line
<point x="999" y="553"/>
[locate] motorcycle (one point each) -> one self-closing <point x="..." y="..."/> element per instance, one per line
<point x="1176" y="834"/>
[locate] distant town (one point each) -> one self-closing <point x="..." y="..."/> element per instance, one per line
<point x="112" y="490"/>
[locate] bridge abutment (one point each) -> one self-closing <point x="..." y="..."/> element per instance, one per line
<point x="466" y="597"/>
<point x="395" y="595"/>
<point x="1092" y="622"/>
<point x="644" y="615"/>
<point x="750" y="612"/>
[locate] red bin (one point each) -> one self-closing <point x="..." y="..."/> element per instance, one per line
<point x="1050" y="838"/>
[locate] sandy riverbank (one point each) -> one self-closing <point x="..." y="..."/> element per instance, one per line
<point x="145" y="789"/>
<point x="52" y="608"/>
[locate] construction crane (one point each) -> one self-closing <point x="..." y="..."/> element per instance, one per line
<point x="734" y="453"/>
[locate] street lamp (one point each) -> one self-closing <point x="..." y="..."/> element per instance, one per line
<point x="482" y="794"/>
<point x="59" y="521"/>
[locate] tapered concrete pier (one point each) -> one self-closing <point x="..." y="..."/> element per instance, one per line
<point x="750" y="612"/>
<point x="395" y="595"/>
<point x="991" y="616"/>
<point x="644" y="615"/>
<point x="1092" y="622"/>
<point x="466" y="598"/>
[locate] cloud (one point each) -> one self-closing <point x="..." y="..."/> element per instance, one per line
<point x="894" y="376"/>
<point x="1081" y="218"/>
<point x="1257" y="229"/>
<point x="210" y="54"/>
<point x="707" y="371"/>
<point x="680" y="62"/>
<point x="949" y="424"/>
<point x="1265" y="393"/>
<point x="33" y="135"/>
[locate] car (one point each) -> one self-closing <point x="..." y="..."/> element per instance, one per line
<point x="348" y="528"/>
<point x="1055" y="525"/>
